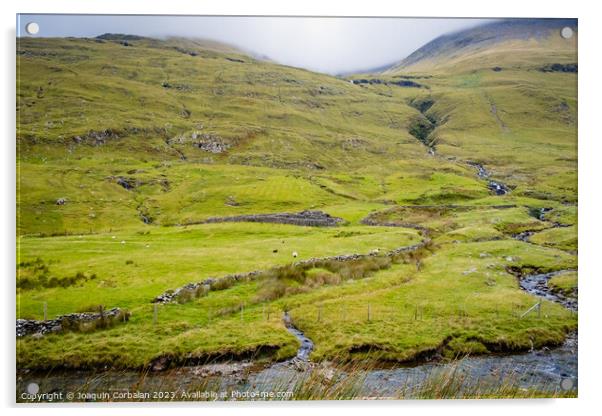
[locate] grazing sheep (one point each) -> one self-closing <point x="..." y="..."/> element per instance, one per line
<point x="375" y="251"/>
<point x="122" y="241"/>
<point x="295" y="254"/>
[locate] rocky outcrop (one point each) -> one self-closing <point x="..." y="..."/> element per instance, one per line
<point x="240" y="61"/>
<point x="401" y="83"/>
<point x="303" y="218"/>
<point x="211" y="143"/>
<point x="97" y="138"/>
<point x="126" y="183"/>
<point x="71" y="321"/>
<point x="572" y="68"/>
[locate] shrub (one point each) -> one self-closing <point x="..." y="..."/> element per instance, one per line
<point x="223" y="283"/>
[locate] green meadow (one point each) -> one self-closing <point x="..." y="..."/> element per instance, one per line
<point x="94" y="115"/>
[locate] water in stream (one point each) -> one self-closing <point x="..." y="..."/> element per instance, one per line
<point x="497" y="187"/>
<point x="546" y="369"/>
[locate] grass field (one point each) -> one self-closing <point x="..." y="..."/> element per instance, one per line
<point x="115" y="180"/>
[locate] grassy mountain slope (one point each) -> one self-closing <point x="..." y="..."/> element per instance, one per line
<point x="126" y="144"/>
<point x="517" y="42"/>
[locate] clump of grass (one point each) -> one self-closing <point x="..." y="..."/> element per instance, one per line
<point x="104" y="321"/>
<point x="223" y="283"/>
<point x="318" y="276"/>
<point x="36" y="275"/>
<point x="334" y="382"/>
<point x="187" y="295"/>
<point x="299" y="278"/>
<point x="565" y="284"/>
<point x="95" y="308"/>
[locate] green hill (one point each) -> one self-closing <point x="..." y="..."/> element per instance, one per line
<point x="127" y="145"/>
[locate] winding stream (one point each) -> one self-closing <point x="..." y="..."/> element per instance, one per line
<point x="306" y="345"/>
<point x="545" y="369"/>
<point x="497" y="187"/>
<point x="537" y="284"/>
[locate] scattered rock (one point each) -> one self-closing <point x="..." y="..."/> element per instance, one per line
<point x="230" y="201"/>
<point x="127" y="183"/>
<point x="96" y="138"/>
<point x="185" y="51"/>
<point x="179" y="87"/>
<point x="160" y="364"/>
<point x="212" y="143"/>
<point x="61" y="201"/>
<point x="221" y="369"/>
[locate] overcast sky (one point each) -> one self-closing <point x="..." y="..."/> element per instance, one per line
<point x="332" y="45"/>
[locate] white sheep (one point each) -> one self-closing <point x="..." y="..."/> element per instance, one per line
<point x="295" y="254"/>
<point x="375" y="251"/>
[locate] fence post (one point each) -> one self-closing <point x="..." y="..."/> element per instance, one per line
<point x="45" y="311"/>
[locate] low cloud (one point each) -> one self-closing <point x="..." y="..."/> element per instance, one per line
<point x="331" y="45"/>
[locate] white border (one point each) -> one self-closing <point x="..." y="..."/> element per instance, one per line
<point x="589" y="200"/>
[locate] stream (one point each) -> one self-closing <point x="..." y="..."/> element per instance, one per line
<point x="537" y="284"/>
<point x="497" y="187"/>
<point x="546" y="369"/>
